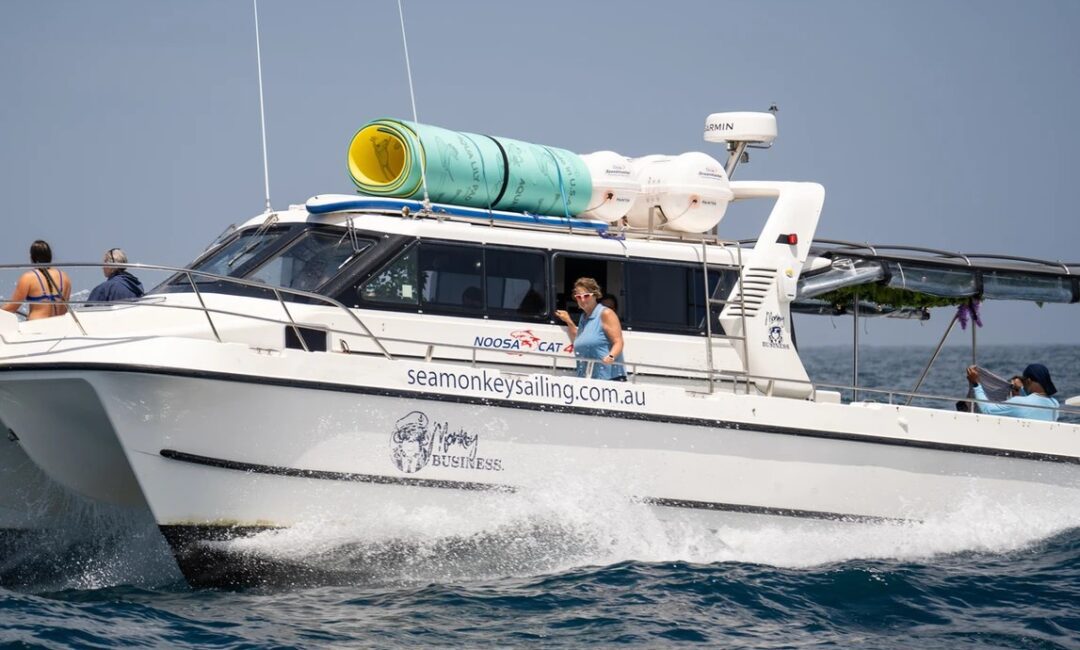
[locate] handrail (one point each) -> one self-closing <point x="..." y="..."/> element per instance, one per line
<point x="710" y="301"/>
<point x="734" y="377"/>
<point x="193" y="272"/>
<point x="202" y="304"/>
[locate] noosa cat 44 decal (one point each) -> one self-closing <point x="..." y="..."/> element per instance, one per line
<point x="521" y="341"/>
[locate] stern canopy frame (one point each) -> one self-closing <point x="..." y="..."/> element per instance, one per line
<point x="899" y="280"/>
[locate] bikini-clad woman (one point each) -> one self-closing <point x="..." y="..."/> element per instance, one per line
<point x="45" y="288"/>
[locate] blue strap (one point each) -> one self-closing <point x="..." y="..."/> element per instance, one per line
<point x="562" y="190"/>
<point x="44" y="291"/>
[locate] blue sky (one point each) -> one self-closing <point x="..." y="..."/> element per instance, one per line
<point x="947" y="124"/>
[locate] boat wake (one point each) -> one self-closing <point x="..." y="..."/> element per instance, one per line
<point x="86" y="546"/>
<point x="555" y="530"/>
<point x="532" y="532"/>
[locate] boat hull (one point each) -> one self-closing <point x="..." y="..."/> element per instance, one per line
<point x="216" y="456"/>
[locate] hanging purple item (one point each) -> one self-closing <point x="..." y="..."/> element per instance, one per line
<point x="970" y="309"/>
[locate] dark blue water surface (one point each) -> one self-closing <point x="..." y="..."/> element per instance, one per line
<point x="565" y="573"/>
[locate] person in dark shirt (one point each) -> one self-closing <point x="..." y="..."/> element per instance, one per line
<point x="119" y="284"/>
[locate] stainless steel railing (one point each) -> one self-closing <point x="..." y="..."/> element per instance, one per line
<point x="189" y="275"/>
<point x="734" y="379"/>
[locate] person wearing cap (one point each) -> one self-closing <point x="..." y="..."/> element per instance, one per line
<point x="1034" y="402"/>
<point x="118" y="284"/>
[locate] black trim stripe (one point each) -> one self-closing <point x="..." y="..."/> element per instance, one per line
<point x="324" y="475"/>
<point x="506" y="171"/>
<point x="550" y="408"/>
<point x="775" y="512"/>
<point x="380" y="479"/>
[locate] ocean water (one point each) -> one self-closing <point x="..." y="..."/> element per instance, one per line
<point x="557" y="571"/>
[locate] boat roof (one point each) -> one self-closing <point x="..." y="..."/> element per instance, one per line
<point x="886" y="279"/>
<point x="441" y="221"/>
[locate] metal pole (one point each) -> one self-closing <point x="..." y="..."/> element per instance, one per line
<point x="855" y="349"/>
<point x="708" y="314"/>
<point x="734" y="157"/>
<point x="937" y="351"/>
<point x="202" y="304"/>
<point x="974" y="327"/>
<point x="292" y="323"/>
<point x="262" y="107"/>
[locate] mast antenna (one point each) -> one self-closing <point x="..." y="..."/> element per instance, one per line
<point x="262" y="108"/>
<point x="412" y="96"/>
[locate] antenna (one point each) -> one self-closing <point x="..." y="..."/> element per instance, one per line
<point x="412" y="96"/>
<point x="262" y="108"/>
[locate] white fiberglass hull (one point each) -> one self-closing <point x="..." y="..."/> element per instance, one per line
<point x="217" y="454"/>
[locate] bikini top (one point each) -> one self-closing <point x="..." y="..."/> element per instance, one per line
<point x="47" y="295"/>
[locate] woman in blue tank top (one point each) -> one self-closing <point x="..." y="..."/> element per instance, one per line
<point x="597" y="335"/>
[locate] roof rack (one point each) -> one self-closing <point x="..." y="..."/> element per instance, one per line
<point x="334" y="203"/>
<point x="329" y="203"/>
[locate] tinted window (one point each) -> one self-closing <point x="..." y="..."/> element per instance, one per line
<point x="463" y="279"/>
<point x="396" y="283"/>
<point x="515" y="282"/>
<point x="672" y="296"/>
<point x="310" y="261"/>
<point x="451" y="276"/>
<point x="607" y="272"/>
<point x="721" y="282"/>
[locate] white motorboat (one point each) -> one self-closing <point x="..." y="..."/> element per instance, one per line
<point x="335" y="355"/>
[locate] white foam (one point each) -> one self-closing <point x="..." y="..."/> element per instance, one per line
<point x="587" y="522"/>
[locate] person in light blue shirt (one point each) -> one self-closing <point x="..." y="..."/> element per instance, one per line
<point x="1037" y="390"/>
<point x="597" y="335"/>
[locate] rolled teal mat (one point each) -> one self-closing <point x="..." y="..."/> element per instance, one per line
<point x="386" y="157"/>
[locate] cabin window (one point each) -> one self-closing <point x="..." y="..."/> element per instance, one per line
<point x="607" y="272"/>
<point x="462" y="279"/>
<point x="310" y="261"/>
<point x="231" y="258"/>
<point x="451" y="277"/>
<point x="438" y="277"/>
<point x="671" y="297"/>
<point x="515" y="284"/>
<point x="396" y="283"/>
<point x="722" y="283"/>
<point x="651" y="295"/>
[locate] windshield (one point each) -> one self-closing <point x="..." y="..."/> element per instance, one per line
<point x="310" y="261"/>
<point x="230" y="258"/>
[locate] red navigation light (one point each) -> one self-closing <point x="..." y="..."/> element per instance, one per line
<point x="791" y="239"/>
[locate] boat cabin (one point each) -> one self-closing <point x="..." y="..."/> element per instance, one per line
<point x="486" y="288"/>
